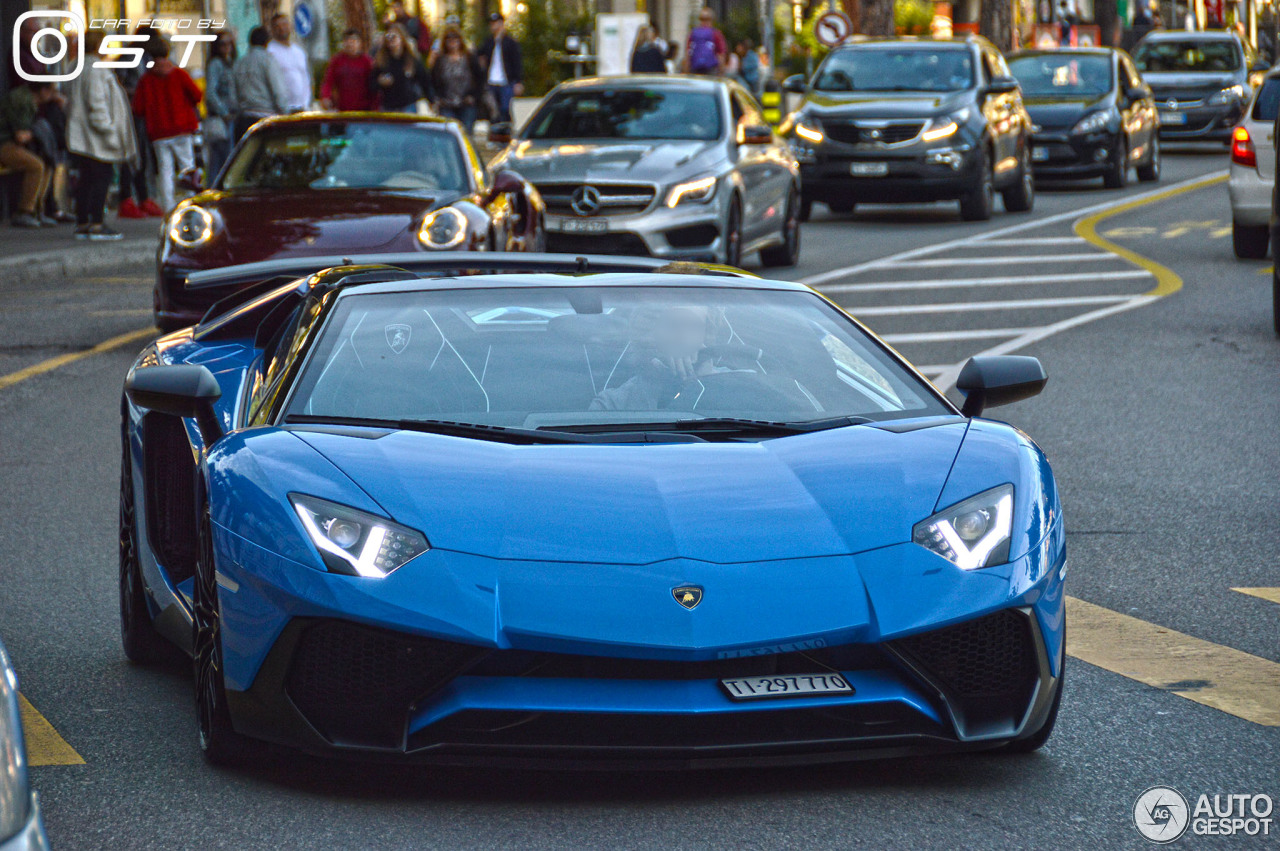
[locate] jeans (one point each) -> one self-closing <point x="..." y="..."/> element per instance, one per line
<point x="35" y="175"/>
<point x="91" y="188"/>
<point x="216" y="154"/>
<point x="173" y="155"/>
<point x="503" y="96"/>
<point x="465" y="115"/>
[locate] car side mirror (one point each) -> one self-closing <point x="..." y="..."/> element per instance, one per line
<point x="1002" y="86"/>
<point x="992" y="380"/>
<point x="182" y="391"/>
<point x="794" y="84"/>
<point x="755" y="134"/>
<point x="504" y="183"/>
<point x="1259" y="65"/>
<point x="193" y="179"/>
<point x="500" y="133"/>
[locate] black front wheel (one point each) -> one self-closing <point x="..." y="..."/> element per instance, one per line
<point x="142" y="644"/>
<point x="1250" y="241"/>
<point x="1149" y="172"/>
<point x="1275" y="300"/>
<point x="976" y="204"/>
<point x="1117" y="174"/>
<point x="1021" y="196"/>
<point x="788" y="252"/>
<point x="733" y="234"/>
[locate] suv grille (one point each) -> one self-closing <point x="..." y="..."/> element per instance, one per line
<point x="877" y="133"/>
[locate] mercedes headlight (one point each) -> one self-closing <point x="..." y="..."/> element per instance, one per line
<point x="443" y="228"/>
<point x="190" y="226"/>
<point x="354" y="542"/>
<point x="1094" y="122"/>
<point x="1228" y="95"/>
<point x="700" y="190"/>
<point x="971" y="534"/>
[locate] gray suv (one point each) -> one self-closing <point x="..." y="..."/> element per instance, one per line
<point x="683" y="168"/>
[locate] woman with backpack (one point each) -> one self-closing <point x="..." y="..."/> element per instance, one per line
<point x="707" y="50"/>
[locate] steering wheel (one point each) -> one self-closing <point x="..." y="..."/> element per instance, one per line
<point x="412" y="180"/>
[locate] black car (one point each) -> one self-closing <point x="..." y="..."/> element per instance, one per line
<point x="1093" y="114"/>
<point x="886" y="120"/>
<point x="1200" y="81"/>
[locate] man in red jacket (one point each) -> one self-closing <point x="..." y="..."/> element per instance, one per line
<point x="166" y="100"/>
<point x="346" y="80"/>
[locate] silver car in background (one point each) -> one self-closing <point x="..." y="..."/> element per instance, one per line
<point x="21" y="828"/>
<point x="1253" y="171"/>
<point x="683" y="168"/>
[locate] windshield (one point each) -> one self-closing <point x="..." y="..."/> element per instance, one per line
<point x="896" y="69"/>
<point x="1268" y="102"/>
<point x="349" y="155"/>
<point x="1062" y="74"/>
<point x="1187" y="55"/>
<point x="628" y="114"/>
<point x="559" y="356"/>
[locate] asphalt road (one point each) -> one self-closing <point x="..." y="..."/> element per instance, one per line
<point x="1159" y="418"/>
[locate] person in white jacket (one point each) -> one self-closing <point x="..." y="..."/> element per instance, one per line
<point x="99" y="137"/>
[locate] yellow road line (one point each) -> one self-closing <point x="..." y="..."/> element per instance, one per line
<point x="44" y="745"/>
<point x="62" y="360"/>
<point x="1272" y="594"/>
<point x="1235" y="682"/>
<point x="1167" y="281"/>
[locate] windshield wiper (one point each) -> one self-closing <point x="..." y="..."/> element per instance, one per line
<point x="724" y="426"/>
<point x="500" y="434"/>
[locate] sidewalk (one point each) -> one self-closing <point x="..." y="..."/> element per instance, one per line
<point x="48" y="255"/>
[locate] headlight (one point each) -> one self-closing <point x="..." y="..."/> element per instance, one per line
<point x="971" y="534"/>
<point x="1093" y="123"/>
<point x="809" y="130"/>
<point x="443" y="228"/>
<point x="1230" y="93"/>
<point x="939" y="129"/>
<point x="191" y="226"/>
<point x="702" y="189"/>
<point x="353" y="542"/>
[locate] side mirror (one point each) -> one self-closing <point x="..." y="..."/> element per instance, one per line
<point x="193" y="179"/>
<point x="994" y="380"/>
<point x="794" y="84"/>
<point x="500" y="133"/>
<point x="756" y="134"/>
<point x="1259" y="65"/>
<point x="504" y="183"/>
<point x="1002" y="86"/>
<point x="181" y="391"/>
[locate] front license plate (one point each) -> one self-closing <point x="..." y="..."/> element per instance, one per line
<point x="1173" y="118"/>
<point x="791" y="685"/>
<point x="869" y="169"/>
<point x="1039" y="155"/>
<point x="584" y="225"/>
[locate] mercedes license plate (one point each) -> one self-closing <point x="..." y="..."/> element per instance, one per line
<point x="790" y="685"/>
<point x="1039" y="154"/>
<point x="1173" y="118"/>
<point x="869" y="169"/>
<point x="584" y="225"/>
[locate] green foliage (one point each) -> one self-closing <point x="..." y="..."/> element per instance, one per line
<point x="913" y="17"/>
<point x="741" y="22"/>
<point x="542" y="28"/>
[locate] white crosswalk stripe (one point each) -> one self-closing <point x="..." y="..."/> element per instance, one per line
<point x="992" y="281"/>
<point x="971" y="306"/>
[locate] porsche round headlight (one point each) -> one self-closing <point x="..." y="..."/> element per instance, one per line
<point x="443" y="228"/>
<point x="191" y="226"/>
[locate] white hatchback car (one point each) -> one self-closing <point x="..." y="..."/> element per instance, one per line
<point x="1253" y="171"/>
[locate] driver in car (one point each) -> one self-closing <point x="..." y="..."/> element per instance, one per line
<point x="671" y="341"/>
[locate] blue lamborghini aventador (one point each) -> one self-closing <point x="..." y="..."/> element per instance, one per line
<point x="584" y="511"/>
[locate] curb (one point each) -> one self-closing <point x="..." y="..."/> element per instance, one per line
<point x="78" y="259"/>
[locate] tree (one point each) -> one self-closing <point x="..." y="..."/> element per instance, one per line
<point x="1106" y="15"/>
<point x="877" y="17"/>
<point x="996" y="23"/>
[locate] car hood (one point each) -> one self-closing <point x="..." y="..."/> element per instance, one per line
<point x="834" y="492"/>
<point x="624" y="160"/>
<point x="1060" y="112"/>
<point x="1179" y="81"/>
<point x="883" y="105"/>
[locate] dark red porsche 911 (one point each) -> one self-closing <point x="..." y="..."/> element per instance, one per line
<point x="348" y="184"/>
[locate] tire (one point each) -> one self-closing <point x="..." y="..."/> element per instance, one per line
<point x="142" y="644"/>
<point x="1275" y="300"/>
<point x="976" y="205"/>
<point x="1250" y="241"/>
<point x="220" y="743"/>
<point x="788" y="253"/>
<point x="733" y="234"/>
<point x="1149" y="172"/>
<point x="1118" y="169"/>
<point x="1037" y="739"/>
<point x="1021" y="197"/>
<point x="842" y="208"/>
<point x="806" y="208"/>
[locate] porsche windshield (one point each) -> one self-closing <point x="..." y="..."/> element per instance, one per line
<point x="1064" y="75"/>
<point x="349" y="155"/>
<point x="628" y="113"/>
<point x="896" y="69"/>
<point x="1190" y="55"/>
<point x="558" y="356"/>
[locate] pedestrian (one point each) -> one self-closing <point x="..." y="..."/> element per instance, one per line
<point x="99" y="137"/>
<point x="18" y="110"/>
<point x="748" y="65"/>
<point x="418" y="31"/>
<point x="503" y="66"/>
<point x="166" y="98"/>
<point x="261" y="90"/>
<point x="346" y="84"/>
<point x="293" y="62"/>
<point x="219" y="102"/>
<point x="399" y="78"/>
<point x="706" y="51"/>
<point x="135" y="194"/>
<point x="457" y="80"/>
<point x="450" y="20"/>
<point x="647" y="57"/>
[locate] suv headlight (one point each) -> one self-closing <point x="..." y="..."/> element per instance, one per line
<point x="700" y="190"/>
<point x="971" y="534"/>
<point x="190" y="226"/>
<point x="945" y="126"/>
<point x="1227" y="95"/>
<point x="808" y="129"/>
<point x="1094" y="122"/>
<point x="443" y="228"/>
<point x="354" y="542"/>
